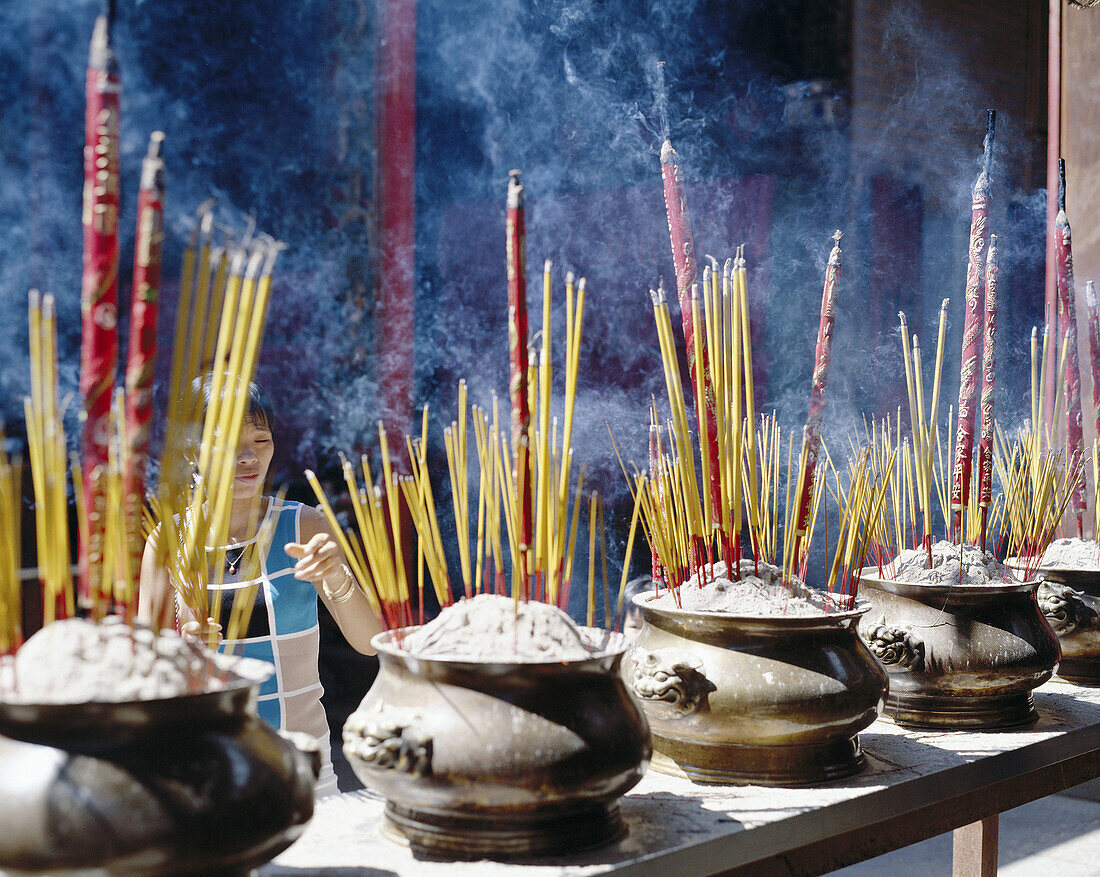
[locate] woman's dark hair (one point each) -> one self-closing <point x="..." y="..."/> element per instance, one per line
<point x="640" y="585"/>
<point x="259" y="406"/>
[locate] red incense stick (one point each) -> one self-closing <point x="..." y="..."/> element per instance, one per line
<point x="99" y="288"/>
<point x="1094" y="347"/>
<point x="683" y="258"/>
<point x="1067" y="318"/>
<point x="811" y="433"/>
<point x="968" y="372"/>
<point x="517" y="350"/>
<point x="989" y="379"/>
<point x="142" y="349"/>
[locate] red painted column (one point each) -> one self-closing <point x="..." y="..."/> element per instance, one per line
<point x="1054" y="150"/>
<point x="395" y="199"/>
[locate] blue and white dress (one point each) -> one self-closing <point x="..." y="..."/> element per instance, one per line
<point x="283" y="631"/>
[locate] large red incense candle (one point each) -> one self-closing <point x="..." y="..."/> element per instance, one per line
<point x="972" y="326"/>
<point x="141" y="354"/>
<point x="516" y="233"/>
<point x="99" y="287"/>
<point x="1094" y="348"/>
<point x="811" y="434"/>
<point x="1067" y="319"/>
<point x="989" y="379"/>
<point x="683" y="259"/>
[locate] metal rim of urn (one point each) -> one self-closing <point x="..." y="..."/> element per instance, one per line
<point x="565" y="740"/>
<point x="114" y="720"/>
<point x="697" y="675"/>
<point x="1070" y="601"/>
<point x="960" y="656"/>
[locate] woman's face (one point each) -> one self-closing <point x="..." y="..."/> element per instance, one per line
<point x="254" y="453"/>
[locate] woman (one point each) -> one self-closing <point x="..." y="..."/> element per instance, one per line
<point x="300" y="562"/>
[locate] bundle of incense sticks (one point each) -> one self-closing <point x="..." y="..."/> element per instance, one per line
<point x="924" y="431"/>
<point x="860" y="507"/>
<point x="795" y="557"/>
<point x="1067" y="321"/>
<point x="1038" y="487"/>
<point x="380" y="571"/>
<point x="900" y="525"/>
<point x="699" y="368"/>
<point x="46" y="444"/>
<point x="664" y="504"/>
<point x="224" y="296"/>
<point x="968" y="374"/>
<point x="525" y="484"/>
<point x="890" y="463"/>
<point x="115" y="589"/>
<point x="721" y="318"/>
<point x="11" y="508"/>
<point x="721" y="330"/>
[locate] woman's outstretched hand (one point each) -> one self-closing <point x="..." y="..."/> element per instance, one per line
<point x="209" y="631"/>
<point x="319" y="559"/>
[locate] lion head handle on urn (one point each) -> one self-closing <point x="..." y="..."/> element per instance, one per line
<point x="671" y="676"/>
<point x="895" y="646"/>
<point x="389" y="739"/>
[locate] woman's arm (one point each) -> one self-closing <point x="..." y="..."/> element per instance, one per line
<point x="322" y="562"/>
<point x="157" y="601"/>
<point x="156" y="605"/>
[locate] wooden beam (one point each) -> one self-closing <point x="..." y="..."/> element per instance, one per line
<point x="974" y="849"/>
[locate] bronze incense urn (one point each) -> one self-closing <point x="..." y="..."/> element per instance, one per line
<point x="502" y="760"/>
<point x="960" y="656"/>
<point x="1070" y="601"/>
<point x="773" y="700"/>
<point x="189" y="785"/>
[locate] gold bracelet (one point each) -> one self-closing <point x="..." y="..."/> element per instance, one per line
<point x="344" y="592"/>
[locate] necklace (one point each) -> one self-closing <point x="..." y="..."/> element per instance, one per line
<point x="231" y="564"/>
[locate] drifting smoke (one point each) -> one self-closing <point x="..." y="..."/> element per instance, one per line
<point x="269" y="107"/>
